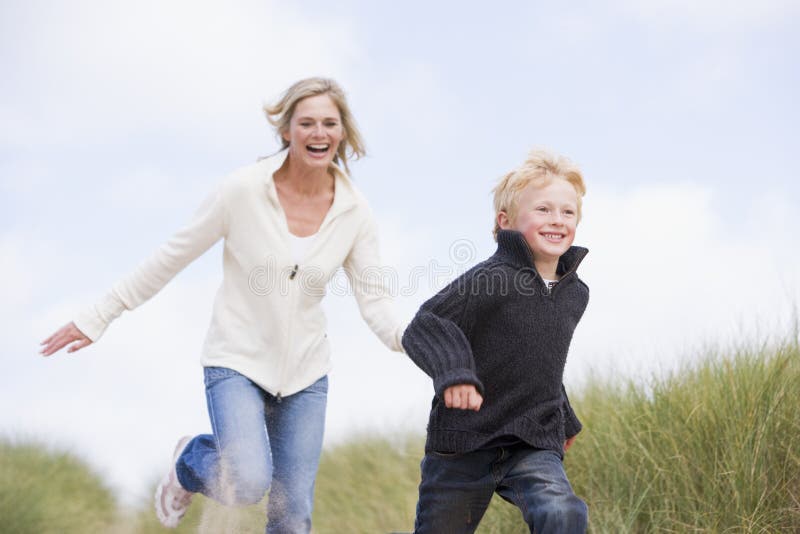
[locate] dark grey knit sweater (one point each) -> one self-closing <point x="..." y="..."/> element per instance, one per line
<point x="500" y="328"/>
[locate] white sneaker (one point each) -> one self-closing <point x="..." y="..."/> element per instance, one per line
<point x="171" y="499"/>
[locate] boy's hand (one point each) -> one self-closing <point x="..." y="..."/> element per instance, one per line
<point x="569" y="442"/>
<point x="463" y="397"/>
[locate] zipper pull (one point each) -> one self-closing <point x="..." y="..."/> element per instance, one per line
<point x="293" y="273"/>
<point x="278" y="397"/>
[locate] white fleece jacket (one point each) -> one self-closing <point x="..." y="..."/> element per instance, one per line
<point x="267" y="322"/>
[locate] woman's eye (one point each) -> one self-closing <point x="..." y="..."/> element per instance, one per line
<point x="542" y="209"/>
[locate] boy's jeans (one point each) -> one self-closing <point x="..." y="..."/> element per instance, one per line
<point x="456" y="489"/>
<point x="258" y="442"/>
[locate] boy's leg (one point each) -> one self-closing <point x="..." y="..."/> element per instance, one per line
<point x="535" y="481"/>
<point x="232" y="465"/>
<point x="454" y="492"/>
<point x="296" y="425"/>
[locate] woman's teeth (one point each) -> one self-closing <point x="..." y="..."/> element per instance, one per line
<point x="318" y="149"/>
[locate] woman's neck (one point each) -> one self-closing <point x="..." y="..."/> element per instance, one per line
<point x="305" y="181"/>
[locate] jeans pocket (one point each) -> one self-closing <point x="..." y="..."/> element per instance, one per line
<point x="444" y="454"/>
<point x="212" y="375"/>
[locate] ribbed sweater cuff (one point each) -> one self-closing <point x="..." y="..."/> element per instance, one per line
<point x="571" y="426"/>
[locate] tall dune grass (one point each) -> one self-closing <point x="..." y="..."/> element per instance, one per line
<point x="713" y="447"/>
<point x="44" y="491"/>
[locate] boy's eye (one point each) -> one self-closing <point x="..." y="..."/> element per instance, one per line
<point x="542" y="209"/>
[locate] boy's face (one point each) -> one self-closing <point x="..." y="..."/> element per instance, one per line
<point x="547" y="216"/>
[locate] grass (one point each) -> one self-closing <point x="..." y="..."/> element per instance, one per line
<point x="45" y="491"/>
<point x="712" y="447"/>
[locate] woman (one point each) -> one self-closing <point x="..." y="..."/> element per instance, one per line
<point x="289" y="222"/>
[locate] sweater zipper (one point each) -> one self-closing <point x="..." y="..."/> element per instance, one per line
<point x="567" y="274"/>
<point x="292" y="306"/>
<point x="547" y="291"/>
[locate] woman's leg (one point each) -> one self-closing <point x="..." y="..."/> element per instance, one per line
<point x="295" y="425"/>
<point x="232" y="465"/>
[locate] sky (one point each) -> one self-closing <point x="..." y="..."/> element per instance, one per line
<point x="117" y="118"/>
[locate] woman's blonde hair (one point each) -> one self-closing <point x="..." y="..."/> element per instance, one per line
<point x="280" y="114"/>
<point x="541" y="167"/>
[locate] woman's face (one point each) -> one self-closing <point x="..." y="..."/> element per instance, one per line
<point x="315" y="131"/>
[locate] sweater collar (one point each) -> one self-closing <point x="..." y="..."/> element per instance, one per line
<point x="514" y="249"/>
<point x="344" y="196"/>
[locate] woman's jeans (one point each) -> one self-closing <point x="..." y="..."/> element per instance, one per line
<point x="456" y="489"/>
<point x="259" y="442"/>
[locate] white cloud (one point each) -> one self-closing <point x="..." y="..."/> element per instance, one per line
<point x="94" y="69"/>
<point x="667" y="275"/>
<point x="712" y="15"/>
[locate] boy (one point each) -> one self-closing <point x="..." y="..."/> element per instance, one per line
<point x="495" y="342"/>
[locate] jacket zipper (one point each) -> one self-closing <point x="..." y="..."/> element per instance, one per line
<point x="284" y="360"/>
<point x="548" y="292"/>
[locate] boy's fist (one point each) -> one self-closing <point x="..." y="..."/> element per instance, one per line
<point x="463" y="397"/>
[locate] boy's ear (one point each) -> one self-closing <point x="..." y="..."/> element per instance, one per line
<point x="503" y="220"/>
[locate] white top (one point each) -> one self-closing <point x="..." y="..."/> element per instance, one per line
<point x="300" y="246"/>
<point x="267" y="323"/>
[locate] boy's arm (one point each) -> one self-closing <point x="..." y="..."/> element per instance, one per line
<point x="436" y="342"/>
<point x="571" y="423"/>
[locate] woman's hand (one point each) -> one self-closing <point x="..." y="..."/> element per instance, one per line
<point x="569" y="442"/>
<point x="63" y="337"/>
<point x="463" y="396"/>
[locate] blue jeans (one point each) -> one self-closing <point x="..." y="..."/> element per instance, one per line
<point x="456" y="489"/>
<point x="258" y="442"/>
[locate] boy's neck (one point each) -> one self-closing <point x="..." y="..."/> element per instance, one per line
<point x="547" y="268"/>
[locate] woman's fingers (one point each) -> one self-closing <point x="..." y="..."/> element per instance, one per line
<point x="79" y="345"/>
<point x="63" y="337"/>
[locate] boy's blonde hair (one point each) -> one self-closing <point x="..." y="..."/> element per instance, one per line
<point x="540" y="168"/>
<point x="280" y="114"/>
